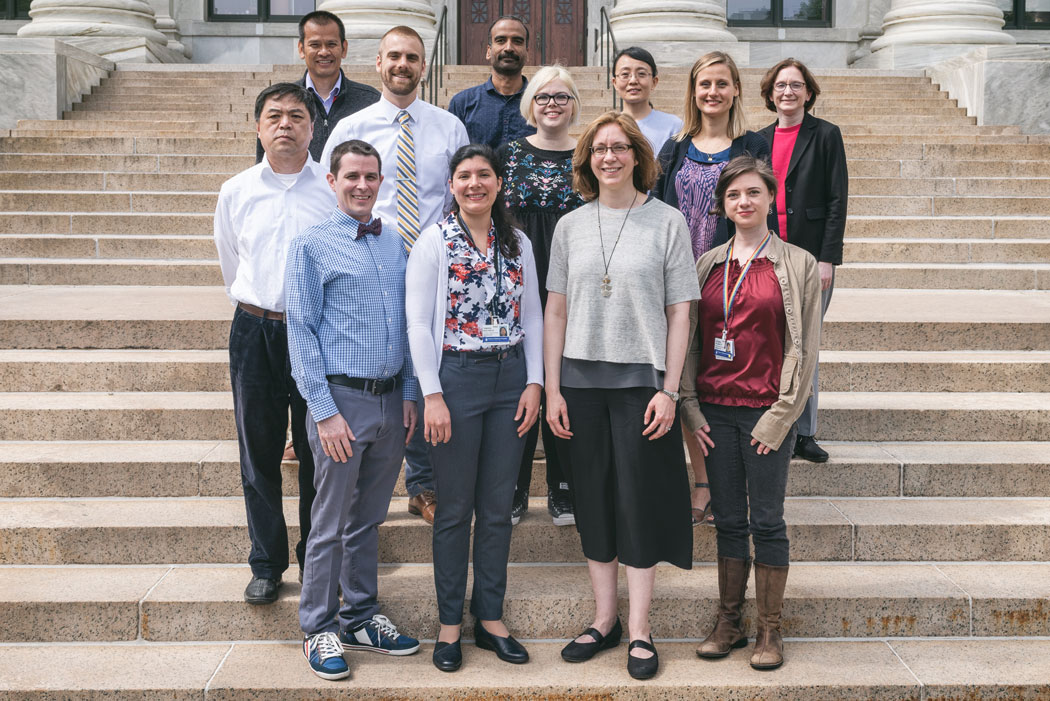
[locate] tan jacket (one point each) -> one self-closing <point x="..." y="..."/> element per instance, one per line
<point x="800" y="286"/>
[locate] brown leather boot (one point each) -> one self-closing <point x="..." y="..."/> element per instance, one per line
<point x="769" y="596"/>
<point x="728" y="632"/>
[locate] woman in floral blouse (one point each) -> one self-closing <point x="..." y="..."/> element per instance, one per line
<point x="476" y="332"/>
<point x="537" y="186"/>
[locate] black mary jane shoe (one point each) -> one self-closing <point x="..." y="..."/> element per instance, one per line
<point x="581" y="652"/>
<point x="448" y="656"/>
<point x="507" y="649"/>
<point x="638" y="667"/>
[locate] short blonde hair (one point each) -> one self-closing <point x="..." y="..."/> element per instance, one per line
<point x="691" y="122"/>
<point x="543" y="77"/>
<point x="645" y="171"/>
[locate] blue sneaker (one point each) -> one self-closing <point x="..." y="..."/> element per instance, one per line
<point x="326" y="656"/>
<point x="378" y="635"/>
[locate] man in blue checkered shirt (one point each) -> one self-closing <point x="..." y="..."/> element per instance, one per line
<point x="348" y="345"/>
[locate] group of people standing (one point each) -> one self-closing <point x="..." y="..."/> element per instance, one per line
<point x="444" y="287"/>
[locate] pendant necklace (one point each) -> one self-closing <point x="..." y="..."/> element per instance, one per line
<point x="606" y="286"/>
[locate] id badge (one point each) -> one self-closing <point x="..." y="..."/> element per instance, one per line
<point x="725" y="349"/>
<point x="495" y="335"/>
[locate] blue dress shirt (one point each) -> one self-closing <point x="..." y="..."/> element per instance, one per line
<point x="346" y="309"/>
<point x="489" y="116"/>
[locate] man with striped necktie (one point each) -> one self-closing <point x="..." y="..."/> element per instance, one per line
<point x="415" y="140"/>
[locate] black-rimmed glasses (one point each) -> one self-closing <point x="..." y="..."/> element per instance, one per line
<point x="561" y="99"/>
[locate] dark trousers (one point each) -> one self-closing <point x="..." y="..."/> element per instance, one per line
<point x="631" y="494"/>
<point x="744" y="482"/>
<point x="263" y="391"/>
<point x="475" y="473"/>
<point x="556" y="450"/>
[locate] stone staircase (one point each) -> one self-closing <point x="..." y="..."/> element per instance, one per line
<point x="921" y="550"/>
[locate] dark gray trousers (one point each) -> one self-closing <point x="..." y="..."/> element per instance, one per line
<point x="352" y="500"/>
<point x="747" y="489"/>
<point x="475" y="473"/>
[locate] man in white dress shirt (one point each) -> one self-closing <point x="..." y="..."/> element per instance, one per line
<point x="415" y="141"/>
<point x="260" y="211"/>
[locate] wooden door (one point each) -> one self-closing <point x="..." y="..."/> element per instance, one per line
<point x="557" y="29"/>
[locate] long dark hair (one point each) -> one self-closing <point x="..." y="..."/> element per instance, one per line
<point x="506" y="238"/>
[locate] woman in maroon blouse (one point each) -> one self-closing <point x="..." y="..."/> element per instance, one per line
<point x="754" y="338"/>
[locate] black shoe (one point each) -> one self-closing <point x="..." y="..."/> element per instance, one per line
<point x="507" y="649"/>
<point x="448" y="656"/>
<point x="559" y="506"/>
<point x="581" y="652"/>
<point x="642" y="668"/>
<point x="807" y="449"/>
<point x="519" y="507"/>
<point x="261" y="590"/>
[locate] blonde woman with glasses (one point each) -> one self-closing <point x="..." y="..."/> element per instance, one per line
<point x="714" y="132"/>
<point x="537" y="187"/>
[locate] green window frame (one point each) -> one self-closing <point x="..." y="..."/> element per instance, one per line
<point x="800" y="13"/>
<point x="265" y="11"/>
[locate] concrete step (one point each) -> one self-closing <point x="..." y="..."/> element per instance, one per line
<point x="815" y="671"/>
<point x="852" y="416"/>
<point x="198" y="318"/>
<point x="69" y="201"/>
<point x="114" y="182"/>
<point x="945" y="276"/>
<point x="1010" y="187"/>
<point x="946" y="226"/>
<point x="127" y="164"/>
<point x="43" y="254"/>
<point x="945" y="250"/>
<point x="971" y="169"/>
<point x="182" y="468"/>
<point x="212" y="530"/>
<point x="947" y="205"/>
<point x="109" y="224"/>
<point x="127" y="145"/>
<point x="207" y="371"/>
<point x="200" y="603"/>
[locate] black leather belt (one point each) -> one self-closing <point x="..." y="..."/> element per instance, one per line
<point x="482" y="356"/>
<point x="372" y="386"/>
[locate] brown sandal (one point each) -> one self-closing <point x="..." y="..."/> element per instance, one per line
<point x="703" y="515"/>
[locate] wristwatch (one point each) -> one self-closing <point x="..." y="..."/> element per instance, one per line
<point x="673" y="395"/>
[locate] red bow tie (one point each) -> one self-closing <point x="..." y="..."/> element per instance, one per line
<point x="373" y="227"/>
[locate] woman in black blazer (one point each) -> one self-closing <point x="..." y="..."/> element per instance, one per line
<point x="714" y="132"/>
<point x="809" y="160"/>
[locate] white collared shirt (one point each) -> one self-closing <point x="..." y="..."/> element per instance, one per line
<point x="256" y="219"/>
<point x="437" y="135"/>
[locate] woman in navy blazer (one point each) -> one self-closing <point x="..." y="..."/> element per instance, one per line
<point x="714" y="131"/>
<point x="809" y="160"/>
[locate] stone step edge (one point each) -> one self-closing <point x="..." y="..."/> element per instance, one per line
<point x="814" y="671"/>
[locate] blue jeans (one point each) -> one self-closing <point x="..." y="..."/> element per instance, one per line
<point x="747" y="489"/>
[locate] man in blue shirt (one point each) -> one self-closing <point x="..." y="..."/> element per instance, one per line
<point x="348" y="344"/>
<point x="491" y="112"/>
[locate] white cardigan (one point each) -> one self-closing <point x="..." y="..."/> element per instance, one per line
<point x="426" y="304"/>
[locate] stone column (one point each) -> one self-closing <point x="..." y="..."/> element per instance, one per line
<point x="93" y="19"/>
<point x="911" y="22"/>
<point x="367" y="20"/>
<point x="676" y="32"/>
<point x="165" y="24"/>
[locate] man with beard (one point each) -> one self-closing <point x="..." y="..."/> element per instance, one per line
<point x="415" y="141"/>
<point x="492" y="111"/>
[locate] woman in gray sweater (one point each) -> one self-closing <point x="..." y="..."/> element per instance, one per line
<point x="619" y="286"/>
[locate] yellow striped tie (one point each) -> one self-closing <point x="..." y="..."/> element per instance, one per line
<point x="407" y="196"/>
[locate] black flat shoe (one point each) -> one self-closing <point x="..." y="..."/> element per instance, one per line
<point x="581" y="652"/>
<point x="261" y="591"/>
<point x="642" y="668"/>
<point x="448" y="656"/>
<point x="507" y="649"/>
<point x="806" y="448"/>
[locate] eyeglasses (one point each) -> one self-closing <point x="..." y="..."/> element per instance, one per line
<point x="626" y="75"/>
<point x="795" y="86"/>
<point x="618" y="149"/>
<point x="561" y="99"/>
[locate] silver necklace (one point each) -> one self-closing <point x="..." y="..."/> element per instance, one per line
<point x="606" y="286"/>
